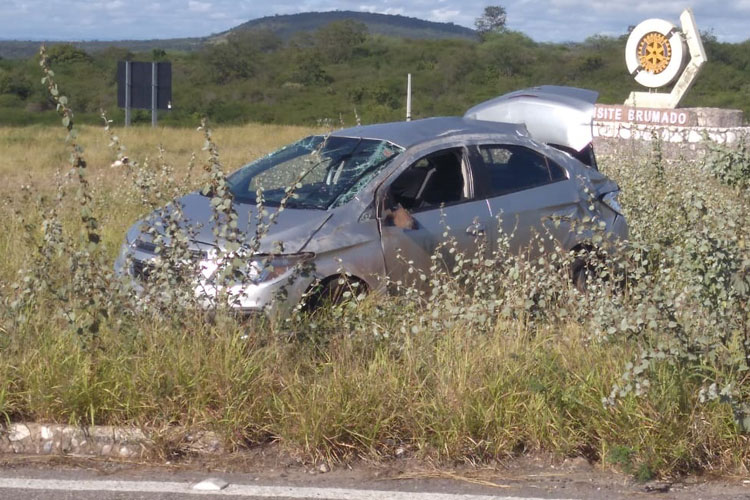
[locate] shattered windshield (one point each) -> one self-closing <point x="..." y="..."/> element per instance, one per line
<point x="324" y="171"/>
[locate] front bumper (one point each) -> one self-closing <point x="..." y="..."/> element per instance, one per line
<point x="275" y="296"/>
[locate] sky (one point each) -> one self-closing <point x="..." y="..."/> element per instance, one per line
<point x="542" y="20"/>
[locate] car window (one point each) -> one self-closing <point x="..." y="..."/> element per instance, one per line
<point x="432" y="181"/>
<point x="508" y="169"/>
<point x="325" y="172"/>
<point x="556" y="172"/>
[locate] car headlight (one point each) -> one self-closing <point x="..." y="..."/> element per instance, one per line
<point x="258" y="268"/>
<point x="610" y="199"/>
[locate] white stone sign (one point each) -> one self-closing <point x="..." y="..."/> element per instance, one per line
<point x="646" y="116"/>
<point x="657" y="54"/>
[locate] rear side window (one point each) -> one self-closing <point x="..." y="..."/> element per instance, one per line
<point x="508" y="169"/>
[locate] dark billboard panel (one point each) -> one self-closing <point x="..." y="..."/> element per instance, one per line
<point x="141" y="84"/>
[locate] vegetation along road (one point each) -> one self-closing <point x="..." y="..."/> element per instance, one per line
<point x="645" y="373"/>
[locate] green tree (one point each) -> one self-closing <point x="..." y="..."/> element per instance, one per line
<point x="264" y="40"/>
<point x="238" y="56"/>
<point x="310" y="73"/>
<point x="491" y="21"/>
<point x="338" y="40"/>
<point x="511" y="52"/>
<point x="231" y="59"/>
<point x="66" y="53"/>
<point x="158" y="54"/>
<point x="15" y="83"/>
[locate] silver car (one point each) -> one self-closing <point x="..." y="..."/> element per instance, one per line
<point x="372" y="201"/>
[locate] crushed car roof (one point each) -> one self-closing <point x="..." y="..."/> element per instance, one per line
<point x="408" y="134"/>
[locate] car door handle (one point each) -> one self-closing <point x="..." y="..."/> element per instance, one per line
<point x="476" y="229"/>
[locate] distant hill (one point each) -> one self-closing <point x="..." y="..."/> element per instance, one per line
<point x="285" y="26"/>
<point x="21" y="49"/>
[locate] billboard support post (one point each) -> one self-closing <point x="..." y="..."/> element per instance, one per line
<point x="154" y="87"/>
<point x="127" y="93"/>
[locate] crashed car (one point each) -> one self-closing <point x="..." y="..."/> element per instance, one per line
<point x="372" y="201"/>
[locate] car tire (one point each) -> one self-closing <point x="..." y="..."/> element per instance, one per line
<point x="584" y="268"/>
<point x="580" y="273"/>
<point x="332" y="292"/>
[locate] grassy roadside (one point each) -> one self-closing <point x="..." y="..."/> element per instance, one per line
<point x="457" y="395"/>
<point x="650" y="380"/>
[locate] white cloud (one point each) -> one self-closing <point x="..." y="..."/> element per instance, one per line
<point x="444" y="15"/>
<point x="195" y="6"/>
<point x="395" y="11"/>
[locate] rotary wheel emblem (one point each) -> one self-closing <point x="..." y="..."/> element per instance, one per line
<point x="654" y="52"/>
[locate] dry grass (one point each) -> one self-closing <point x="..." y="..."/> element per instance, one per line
<point x="31" y="155"/>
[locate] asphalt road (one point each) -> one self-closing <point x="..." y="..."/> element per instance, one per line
<point x="61" y="480"/>
<point x="111" y="489"/>
<point x="23" y="487"/>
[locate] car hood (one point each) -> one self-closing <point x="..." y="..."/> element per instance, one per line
<point x="293" y="227"/>
<point x="554" y="115"/>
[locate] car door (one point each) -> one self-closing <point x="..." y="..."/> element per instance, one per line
<point x="533" y="198"/>
<point x="428" y="209"/>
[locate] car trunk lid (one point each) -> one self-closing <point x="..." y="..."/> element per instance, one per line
<point x="558" y="116"/>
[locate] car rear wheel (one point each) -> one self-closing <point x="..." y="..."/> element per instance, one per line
<point x="585" y="267"/>
<point x="581" y="272"/>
